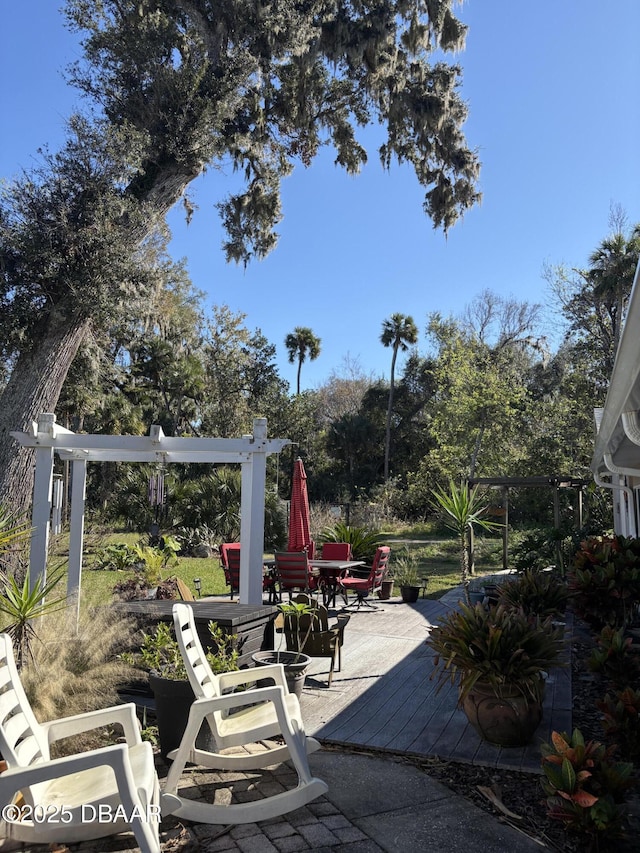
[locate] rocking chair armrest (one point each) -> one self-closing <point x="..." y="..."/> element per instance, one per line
<point x="124" y="715"/>
<point x="115" y="756"/>
<point x="202" y="707"/>
<point x="249" y="676"/>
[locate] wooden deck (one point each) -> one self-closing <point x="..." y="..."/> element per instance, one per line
<point x="383" y="698"/>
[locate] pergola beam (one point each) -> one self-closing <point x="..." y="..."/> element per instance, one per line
<point x="250" y="451"/>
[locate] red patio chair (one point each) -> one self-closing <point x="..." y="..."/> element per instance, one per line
<point x="369" y="585"/>
<point x="336" y="551"/>
<point x="293" y="572"/>
<point x="230" y="559"/>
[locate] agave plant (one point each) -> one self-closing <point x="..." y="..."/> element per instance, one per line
<point x="461" y="508"/>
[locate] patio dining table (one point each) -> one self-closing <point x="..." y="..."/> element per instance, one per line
<point x="329" y="573"/>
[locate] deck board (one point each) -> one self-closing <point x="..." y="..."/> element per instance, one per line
<point x="384" y="697"/>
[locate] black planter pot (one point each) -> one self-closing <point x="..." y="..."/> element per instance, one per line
<point x="295" y="667"/>
<point x="410" y="593"/>
<point x="173" y="700"/>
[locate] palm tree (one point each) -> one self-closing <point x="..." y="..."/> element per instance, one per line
<point x="611" y="270"/>
<point x="302" y="343"/>
<point x="398" y="332"/>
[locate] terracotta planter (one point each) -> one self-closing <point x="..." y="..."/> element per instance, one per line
<point x="507" y="720"/>
<point x="386" y="590"/>
<point x="295" y="667"/>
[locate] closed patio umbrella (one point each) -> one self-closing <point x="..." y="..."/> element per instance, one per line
<point x="299" y="535"/>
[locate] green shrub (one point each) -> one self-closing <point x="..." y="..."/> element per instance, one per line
<point x="614" y="657"/>
<point x="160" y="652"/>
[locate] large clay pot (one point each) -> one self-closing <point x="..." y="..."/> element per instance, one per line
<point x="295" y="667"/>
<point x="509" y="719"/>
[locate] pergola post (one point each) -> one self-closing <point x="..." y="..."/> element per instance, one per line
<point x="76" y="534"/>
<point x="254" y="479"/>
<point x="505" y="529"/>
<point x="41" y="511"/>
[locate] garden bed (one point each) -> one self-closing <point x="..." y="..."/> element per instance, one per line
<point x="521" y="793"/>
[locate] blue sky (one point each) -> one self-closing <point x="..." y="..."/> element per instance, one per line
<point x="552" y="89"/>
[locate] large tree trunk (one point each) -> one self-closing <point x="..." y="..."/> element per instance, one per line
<point x="34" y="387"/>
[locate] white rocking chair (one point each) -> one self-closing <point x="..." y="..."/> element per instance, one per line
<point x="46" y="800"/>
<point x="258" y="713"/>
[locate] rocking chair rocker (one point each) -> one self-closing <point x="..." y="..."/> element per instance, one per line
<point x="119" y="780"/>
<point x="258" y="713"/>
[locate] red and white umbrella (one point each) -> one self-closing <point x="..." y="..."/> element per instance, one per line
<point x="299" y="535"/>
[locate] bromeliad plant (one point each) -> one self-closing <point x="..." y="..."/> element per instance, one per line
<point x="501" y="647"/>
<point x="461" y="508"/>
<point x="585" y="787"/>
<point x="542" y="593"/>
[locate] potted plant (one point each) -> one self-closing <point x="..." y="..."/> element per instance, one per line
<point x="461" y="508"/>
<point x="499" y="657"/>
<point x="294" y="661"/>
<point x="540" y="592"/>
<point x="160" y="655"/>
<point x="405" y="573"/>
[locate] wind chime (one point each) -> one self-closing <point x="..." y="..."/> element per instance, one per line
<point x="156" y="498"/>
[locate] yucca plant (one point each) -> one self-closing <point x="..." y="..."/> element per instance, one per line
<point x="461" y="508"/>
<point x="21" y="605"/>
<point x="501" y="647"/>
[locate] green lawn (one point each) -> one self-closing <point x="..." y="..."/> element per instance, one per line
<point x="97" y="584"/>
<point x="437" y="560"/>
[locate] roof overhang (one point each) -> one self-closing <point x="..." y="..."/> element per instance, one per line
<point x="617" y="443"/>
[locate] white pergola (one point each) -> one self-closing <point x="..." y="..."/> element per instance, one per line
<point x="616" y="458"/>
<point x="48" y="438"/>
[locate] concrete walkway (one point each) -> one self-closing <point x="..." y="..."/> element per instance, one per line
<point x="373" y="804"/>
